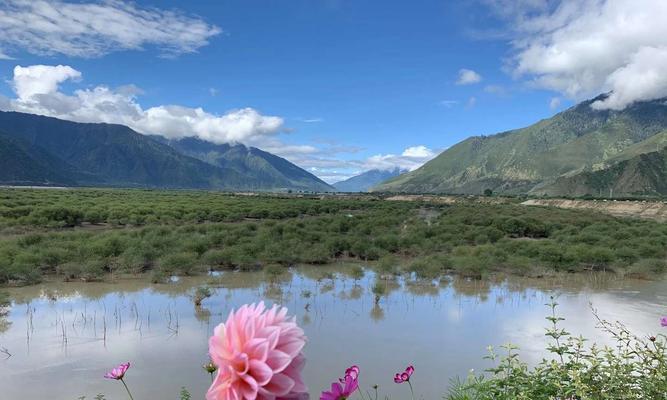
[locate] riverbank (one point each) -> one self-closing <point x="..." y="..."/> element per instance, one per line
<point x="654" y="210"/>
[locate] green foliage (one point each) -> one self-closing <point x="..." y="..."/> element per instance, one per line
<point x="200" y="294"/>
<point x="635" y="368"/>
<point x="356" y="272"/>
<point x="379" y="289"/>
<point x="184" y="394"/>
<point x="181" y="234"/>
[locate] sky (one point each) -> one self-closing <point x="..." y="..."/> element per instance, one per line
<point x="336" y="86"/>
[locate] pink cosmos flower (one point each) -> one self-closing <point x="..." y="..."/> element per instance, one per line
<point x="345" y="387"/>
<point x="119" y="372"/>
<point x="258" y="355"/>
<point x="404" y="376"/>
<point x="663" y="321"/>
<point x="353" y="371"/>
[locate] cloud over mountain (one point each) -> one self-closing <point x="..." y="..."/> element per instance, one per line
<point x="583" y="47"/>
<point x="37" y="91"/>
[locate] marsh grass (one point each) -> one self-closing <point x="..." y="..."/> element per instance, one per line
<point x="89" y="234"/>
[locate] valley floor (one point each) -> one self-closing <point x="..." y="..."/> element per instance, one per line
<point x="85" y="234"/>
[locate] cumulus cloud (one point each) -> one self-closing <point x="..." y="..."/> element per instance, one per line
<point x="95" y="28"/>
<point x="37" y="91"/>
<point x="41" y="79"/>
<point x="585" y="47"/>
<point x="554" y="103"/>
<point x="468" y="77"/>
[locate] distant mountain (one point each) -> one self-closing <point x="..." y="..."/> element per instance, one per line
<point x="366" y="180"/>
<point x="267" y="170"/>
<point x="580" y="140"/>
<point x="41" y="150"/>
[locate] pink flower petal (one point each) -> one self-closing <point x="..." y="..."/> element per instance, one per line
<point x="280" y="384"/>
<point x="262" y="372"/>
<point x="278" y="360"/>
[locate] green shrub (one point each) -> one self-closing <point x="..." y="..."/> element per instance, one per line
<point x="635" y="368"/>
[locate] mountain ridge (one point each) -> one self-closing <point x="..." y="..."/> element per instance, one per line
<point x="366" y="180"/>
<point x="100" y="154"/>
<point x="521" y="160"/>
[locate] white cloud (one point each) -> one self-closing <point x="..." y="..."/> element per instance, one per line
<point x="468" y="77"/>
<point x="554" y="103"/>
<point x="644" y="77"/>
<point x="37" y="90"/>
<point x="213" y="91"/>
<point x="41" y="79"/>
<point x="584" y="47"/>
<point x="95" y="28"/>
<point x="411" y="158"/>
<point x="472" y="101"/>
<point x="417" y="152"/>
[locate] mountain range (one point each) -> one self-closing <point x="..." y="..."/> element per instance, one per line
<point x="366" y="180"/>
<point x="580" y="151"/>
<point x="38" y="150"/>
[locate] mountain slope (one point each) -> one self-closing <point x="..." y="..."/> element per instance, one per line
<point x="42" y="150"/>
<point x="21" y="164"/>
<point x="645" y="174"/>
<point x="366" y="180"/>
<point x="517" y="161"/>
<point x="639" y="170"/>
<point x="115" y="155"/>
<point x="267" y="170"/>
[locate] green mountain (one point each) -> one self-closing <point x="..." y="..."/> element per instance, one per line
<point x="530" y="159"/>
<point x="366" y="180"/>
<point x="639" y="170"/>
<point x="47" y="150"/>
<point x="267" y="170"/>
<point x="22" y="164"/>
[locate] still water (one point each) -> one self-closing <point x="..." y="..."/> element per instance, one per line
<point x="62" y="337"/>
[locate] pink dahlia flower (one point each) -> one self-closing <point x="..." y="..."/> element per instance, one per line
<point x="258" y="355"/>
<point x="118" y="373"/>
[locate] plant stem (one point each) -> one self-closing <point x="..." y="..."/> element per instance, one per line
<point x="412" y="392"/>
<point x="128" y="389"/>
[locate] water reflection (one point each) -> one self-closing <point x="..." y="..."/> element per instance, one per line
<point x="442" y="326"/>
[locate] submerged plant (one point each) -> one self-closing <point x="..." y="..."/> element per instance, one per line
<point x="258" y="354"/>
<point x="118" y="374"/>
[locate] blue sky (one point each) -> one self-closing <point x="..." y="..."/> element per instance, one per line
<point x="335" y="86"/>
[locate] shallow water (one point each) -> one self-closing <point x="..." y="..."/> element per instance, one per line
<point x="62" y="337"/>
